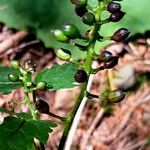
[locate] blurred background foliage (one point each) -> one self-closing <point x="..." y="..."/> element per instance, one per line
<point x="39" y="16"/>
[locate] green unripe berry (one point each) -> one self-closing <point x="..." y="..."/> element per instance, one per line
<point x="59" y="35"/>
<point x="71" y="31"/>
<point x="116" y="96"/>
<point x="15" y="64"/>
<point x="79" y="2"/>
<point x="88" y="18"/>
<point x="63" y="54"/>
<point x="41" y="85"/>
<point x="13" y="77"/>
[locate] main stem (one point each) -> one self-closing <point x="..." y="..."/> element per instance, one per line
<point x="88" y="68"/>
<point x="28" y="77"/>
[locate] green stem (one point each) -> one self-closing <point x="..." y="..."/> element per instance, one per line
<point x="88" y="68"/>
<point x="27" y="76"/>
<point x="70" y="118"/>
<point x="33" y="113"/>
<point x="31" y="107"/>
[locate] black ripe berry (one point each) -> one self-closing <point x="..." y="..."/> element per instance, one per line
<point x="88" y="18"/>
<point x="117" y="16"/>
<point x="113" y="7"/>
<point x="116" y="96"/>
<point x="80" y="76"/>
<point x="112" y="63"/>
<point x="105" y="56"/>
<point x="120" y="35"/>
<point x="42" y="106"/>
<point x="80" y="10"/>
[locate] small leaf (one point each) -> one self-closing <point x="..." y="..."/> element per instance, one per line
<point x="58" y="77"/>
<point x="6" y="86"/>
<point x="92" y="3"/>
<point x="18" y="134"/>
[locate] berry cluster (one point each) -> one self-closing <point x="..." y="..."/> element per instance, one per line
<point x="90" y="15"/>
<point x="82" y="11"/>
<point x="115" y="10"/>
<point x="25" y="76"/>
<point x="116" y="15"/>
<point x="66" y="32"/>
<point x="109" y="61"/>
<point x="71" y="32"/>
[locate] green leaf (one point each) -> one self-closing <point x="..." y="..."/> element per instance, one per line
<point x="40" y="19"/>
<point x="49" y="14"/>
<point x="21" y="115"/>
<point x="92" y="3"/>
<point x="18" y="134"/>
<point x="2" y="110"/>
<point x="59" y="76"/>
<point x="6" y="86"/>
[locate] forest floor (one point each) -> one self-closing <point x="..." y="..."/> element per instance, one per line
<point x="127" y="128"/>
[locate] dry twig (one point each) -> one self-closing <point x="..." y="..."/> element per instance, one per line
<point x="18" y="48"/>
<point x="140" y="144"/>
<point x="98" y="118"/>
<point x="14" y="40"/>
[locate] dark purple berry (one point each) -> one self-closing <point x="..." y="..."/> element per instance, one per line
<point x="88" y="18"/>
<point x="80" y="10"/>
<point x="116" y="96"/>
<point x="112" y="63"/>
<point x="105" y="56"/>
<point x="113" y="7"/>
<point x="80" y="76"/>
<point x="117" y="16"/>
<point x="120" y="35"/>
<point x="42" y="106"/>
